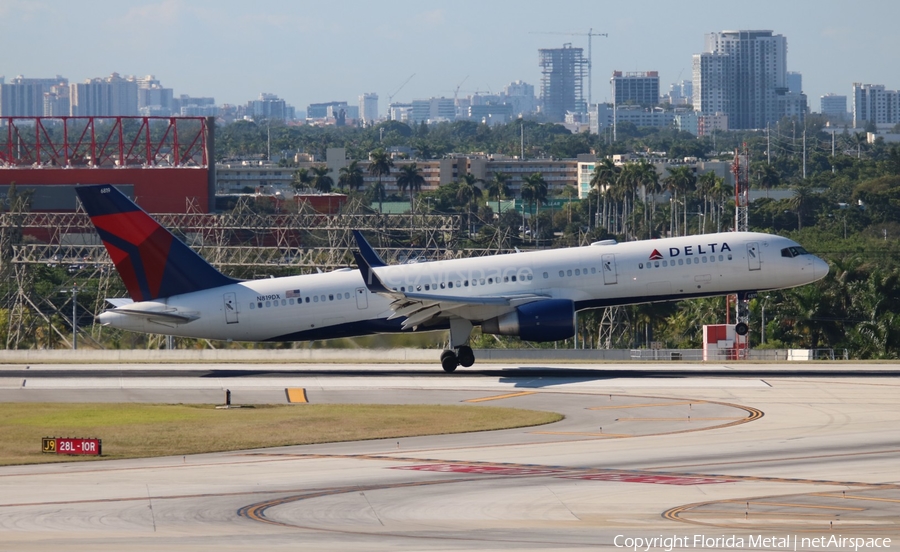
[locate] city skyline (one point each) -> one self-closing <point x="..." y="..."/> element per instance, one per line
<point x="338" y="52"/>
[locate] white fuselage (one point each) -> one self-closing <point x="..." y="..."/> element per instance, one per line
<point x="338" y="304"/>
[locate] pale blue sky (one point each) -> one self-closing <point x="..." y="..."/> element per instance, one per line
<point x="314" y="51"/>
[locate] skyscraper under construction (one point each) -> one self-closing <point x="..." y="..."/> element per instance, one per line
<point x="562" y="83"/>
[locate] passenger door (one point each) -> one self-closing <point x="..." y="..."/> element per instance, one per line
<point x="608" y="265"/>
<point x="753" y="255"/>
<point x="362" y="299"/>
<point x="231" y="309"/>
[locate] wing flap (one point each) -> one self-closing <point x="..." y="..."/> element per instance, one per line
<point x="419" y="308"/>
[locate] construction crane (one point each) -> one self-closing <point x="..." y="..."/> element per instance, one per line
<point x="391" y="96"/>
<point x="590" y="34"/>
<point x="456" y="92"/>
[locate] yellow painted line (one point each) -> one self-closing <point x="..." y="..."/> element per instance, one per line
<point x="854" y="497"/>
<point x="645" y="405"/>
<point x="580" y="433"/>
<point x="733" y="513"/>
<point x="498" y="397"/>
<point x="296" y="395"/>
<point x="790" y="505"/>
<point x="691" y="419"/>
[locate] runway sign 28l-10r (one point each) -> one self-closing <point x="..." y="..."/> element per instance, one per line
<point x="68" y="445"/>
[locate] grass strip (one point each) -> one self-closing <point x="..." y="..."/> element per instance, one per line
<point x="145" y="430"/>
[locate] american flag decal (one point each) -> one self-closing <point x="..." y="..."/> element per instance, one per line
<point x="292" y="293"/>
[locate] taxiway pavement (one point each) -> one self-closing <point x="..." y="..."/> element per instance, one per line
<point x="701" y="452"/>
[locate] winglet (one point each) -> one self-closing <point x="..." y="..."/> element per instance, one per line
<point x="372" y="281"/>
<point x="372" y="258"/>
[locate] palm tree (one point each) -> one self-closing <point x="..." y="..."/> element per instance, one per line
<point x="705" y="184"/>
<point x="602" y="180"/>
<point x="351" y="176"/>
<point x="626" y="185"/>
<point x="411" y="178"/>
<point x="498" y="187"/>
<point x="681" y="179"/>
<point x="468" y="194"/>
<point x="720" y="191"/>
<point x="534" y="191"/>
<point x="767" y="177"/>
<point x="320" y="179"/>
<point x="648" y="179"/>
<point x="301" y="179"/>
<point x="380" y="164"/>
<point x="859" y="139"/>
<point x="803" y="192"/>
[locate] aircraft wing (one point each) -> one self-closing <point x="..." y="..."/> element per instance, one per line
<point x="425" y="308"/>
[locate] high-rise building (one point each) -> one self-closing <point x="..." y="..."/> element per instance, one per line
<point x="23" y="97"/>
<point x="795" y="82"/>
<point x="432" y="109"/>
<point x="636" y="88"/>
<point x="681" y="93"/>
<point x="56" y="101"/>
<point x="873" y="104"/>
<point x="741" y="74"/>
<point x="368" y="107"/>
<point x="153" y="98"/>
<point x="834" y="107"/>
<point x="270" y="106"/>
<point x="563" y="72"/>
<point x="520" y="96"/>
<point x="110" y="96"/>
<point x="321" y="110"/>
<point x="188" y="106"/>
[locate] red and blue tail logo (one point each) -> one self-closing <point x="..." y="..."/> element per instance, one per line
<point x="151" y="261"/>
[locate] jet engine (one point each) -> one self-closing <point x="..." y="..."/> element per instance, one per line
<point x="547" y="320"/>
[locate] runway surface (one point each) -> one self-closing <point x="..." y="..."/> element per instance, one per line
<point x="668" y="452"/>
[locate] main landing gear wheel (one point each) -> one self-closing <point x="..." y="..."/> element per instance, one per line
<point x="466" y="356"/>
<point x="741" y="328"/>
<point x="449" y="361"/>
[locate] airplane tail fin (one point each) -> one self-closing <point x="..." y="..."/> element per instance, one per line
<point x="152" y="262"/>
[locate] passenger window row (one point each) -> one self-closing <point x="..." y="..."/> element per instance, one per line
<point x="300" y="300"/>
<point x="465" y="283"/>
<point x="687" y="260"/>
<point x="577" y="272"/>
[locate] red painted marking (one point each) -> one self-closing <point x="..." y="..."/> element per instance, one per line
<point x="154" y="255"/>
<point x="655" y="479"/>
<point x="489" y="470"/>
<point x="133" y="226"/>
<point x="656" y="255"/>
<point x="65" y="445"/>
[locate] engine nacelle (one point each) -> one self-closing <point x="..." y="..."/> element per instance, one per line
<point x="547" y="320"/>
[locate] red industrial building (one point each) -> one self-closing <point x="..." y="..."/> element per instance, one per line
<point x="165" y="163"/>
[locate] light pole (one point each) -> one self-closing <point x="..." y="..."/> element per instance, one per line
<point x="74" y="292"/>
<point x="74" y="316"/>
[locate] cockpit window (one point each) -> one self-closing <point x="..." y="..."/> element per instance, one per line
<point x="793" y="251"/>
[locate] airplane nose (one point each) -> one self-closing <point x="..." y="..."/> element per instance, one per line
<point x="820" y="269"/>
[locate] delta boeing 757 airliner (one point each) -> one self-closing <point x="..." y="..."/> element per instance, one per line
<point x="533" y="295"/>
